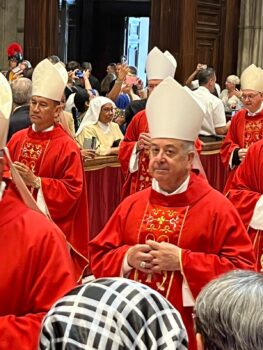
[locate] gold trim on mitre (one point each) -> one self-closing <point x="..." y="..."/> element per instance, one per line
<point x="252" y="78"/>
<point x="172" y="112"/>
<point x="160" y="65"/>
<point x="49" y="80"/>
<point x="5" y="109"/>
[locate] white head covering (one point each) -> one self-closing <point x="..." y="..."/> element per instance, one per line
<point x="92" y="115"/>
<point x="160" y="65"/>
<point x="252" y="78"/>
<point x="70" y="103"/>
<point x="49" y="80"/>
<point x="172" y="112"/>
<point x="5" y="109"/>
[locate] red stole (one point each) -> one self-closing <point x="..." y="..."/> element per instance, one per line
<point x="161" y="224"/>
<point x="32" y="153"/>
<point x="143" y="179"/>
<point x="253" y="130"/>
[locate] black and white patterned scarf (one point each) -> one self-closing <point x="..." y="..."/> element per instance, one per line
<point x="113" y="314"/>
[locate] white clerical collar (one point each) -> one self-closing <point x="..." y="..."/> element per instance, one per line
<point x="182" y="188"/>
<point x="2" y="189"/>
<point x="251" y="114"/>
<point x="105" y="127"/>
<point x="45" y="130"/>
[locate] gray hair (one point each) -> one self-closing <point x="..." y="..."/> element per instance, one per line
<point x="229" y="312"/>
<point x="21" y="91"/>
<point x="188" y="146"/>
<point x="233" y="79"/>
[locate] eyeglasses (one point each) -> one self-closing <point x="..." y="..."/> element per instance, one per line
<point x="249" y="96"/>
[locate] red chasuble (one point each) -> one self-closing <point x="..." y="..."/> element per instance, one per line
<point x="201" y="221"/>
<point x="245" y="191"/>
<point x="140" y="179"/>
<point x="55" y="157"/>
<point x="244" y="131"/>
<point x="35" y="270"/>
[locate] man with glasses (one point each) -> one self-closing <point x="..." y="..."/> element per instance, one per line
<point x="49" y="161"/>
<point x="247" y="126"/>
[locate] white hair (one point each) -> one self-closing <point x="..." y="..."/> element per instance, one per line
<point x="233" y="79"/>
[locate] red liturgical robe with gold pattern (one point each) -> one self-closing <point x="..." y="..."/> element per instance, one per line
<point x="35" y="269"/>
<point x="244" y="131"/>
<point x="141" y="179"/>
<point x="200" y="220"/>
<point x="246" y="189"/>
<point x="55" y="157"/>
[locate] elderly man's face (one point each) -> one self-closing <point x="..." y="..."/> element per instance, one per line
<point x="43" y="112"/>
<point x="169" y="164"/>
<point x="251" y="100"/>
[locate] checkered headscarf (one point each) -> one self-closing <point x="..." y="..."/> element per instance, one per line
<point x="113" y="314"/>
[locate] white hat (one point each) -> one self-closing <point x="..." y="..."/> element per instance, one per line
<point x="172" y="112"/>
<point x="252" y="78"/>
<point x="5" y="109"/>
<point x="49" y="80"/>
<point x="160" y="65"/>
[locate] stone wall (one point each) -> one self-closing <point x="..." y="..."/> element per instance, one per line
<point x="12" y="13"/>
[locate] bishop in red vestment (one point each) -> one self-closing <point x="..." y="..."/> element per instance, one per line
<point x="35" y="265"/>
<point x="55" y="158"/>
<point x="246" y="193"/>
<point x="247" y="125"/>
<point x="49" y="162"/>
<point x="181" y="233"/>
<point x="134" y="149"/>
<point x="141" y="178"/>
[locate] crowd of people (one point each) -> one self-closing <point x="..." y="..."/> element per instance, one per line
<point x="178" y="265"/>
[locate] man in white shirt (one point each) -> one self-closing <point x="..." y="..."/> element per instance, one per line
<point x="214" y="122"/>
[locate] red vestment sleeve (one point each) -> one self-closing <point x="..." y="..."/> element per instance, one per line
<point x="36" y="270"/>
<point x="136" y="126"/>
<point x="247" y="185"/>
<point x="108" y="249"/>
<point x="234" y="137"/>
<point x="232" y="250"/>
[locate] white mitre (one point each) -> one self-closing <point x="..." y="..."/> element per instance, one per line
<point x="172" y="112"/>
<point x="5" y="109"/>
<point x="160" y="65"/>
<point x="252" y="78"/>
<point x="49" y="80"/>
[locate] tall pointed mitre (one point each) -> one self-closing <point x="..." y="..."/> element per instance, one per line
<point x="5" y="109"/>
<point x="172" y="112"/>
<point x="49" y="80"/>
<point x="160" y="65"/>
<point x="252" y="78"/>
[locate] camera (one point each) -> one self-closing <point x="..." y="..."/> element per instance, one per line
<point x="79" y="74"/>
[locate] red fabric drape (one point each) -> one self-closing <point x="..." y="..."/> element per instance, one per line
<point x="215" y="171"/>
<point x="104" y="193"/>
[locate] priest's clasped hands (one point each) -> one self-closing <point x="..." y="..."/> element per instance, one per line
<point x="26" y="173"/>
<point x="154" y="257"/>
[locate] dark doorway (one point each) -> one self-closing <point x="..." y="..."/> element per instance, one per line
<point x="96" y="30"/>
